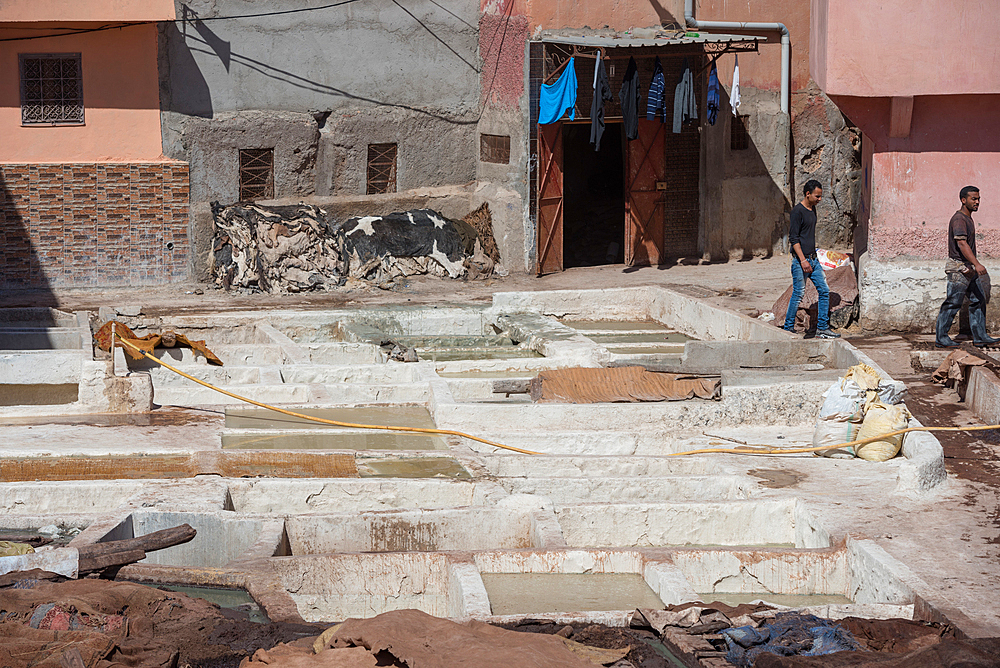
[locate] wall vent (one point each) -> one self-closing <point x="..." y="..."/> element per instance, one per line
<point x="381" y="168"/>
<point x="494" y="148"/>
<point x="256" y="174"/>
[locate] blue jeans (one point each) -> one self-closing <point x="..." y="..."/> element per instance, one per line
<point x="799" y="289"/>
<point x="959" y="286"/>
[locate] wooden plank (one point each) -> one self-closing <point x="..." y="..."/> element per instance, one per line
<point x="151" y="542"/>
<point x="101" y="561"/>
<point x="513" y="386"/>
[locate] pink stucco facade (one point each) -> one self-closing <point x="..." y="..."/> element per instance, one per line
<point x="763" y="69"/>
<point x="904" y="47"/>
<point x="86" y="10"/>
<point x="930" y="123"/>
<point x="120" y="97"/>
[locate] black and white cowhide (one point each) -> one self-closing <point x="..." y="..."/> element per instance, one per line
<point x="417" y="233"/>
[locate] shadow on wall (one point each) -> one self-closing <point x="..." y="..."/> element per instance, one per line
<point x="185" y="90"/>
<point x="746" y="212"/>
<point x="666" y="18"/>
<point x="940" y="123"/>
<point x="20" y="268"/>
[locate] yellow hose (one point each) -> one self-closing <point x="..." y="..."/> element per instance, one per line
<point x="744" y="450"/>
<point x="335" y="423"/>
<point x="763" y="450"/>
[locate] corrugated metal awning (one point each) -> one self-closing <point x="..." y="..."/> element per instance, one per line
<point x="612" y="42"/>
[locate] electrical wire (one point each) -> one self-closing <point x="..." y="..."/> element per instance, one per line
<point x="311" y="418"/>
<point x="181" y="20"/>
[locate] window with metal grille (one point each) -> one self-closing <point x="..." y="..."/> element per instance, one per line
<point x="739" y="138"/>
<point x="381" y="168"/>
<point x="51" y="89"/>
<point x="256" y="173"/>
<point x="494" y="148"/>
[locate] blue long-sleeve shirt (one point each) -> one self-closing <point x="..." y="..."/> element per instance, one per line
<point x="655" y="102"/>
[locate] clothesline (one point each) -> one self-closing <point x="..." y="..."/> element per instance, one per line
<point x="557" y="99"/>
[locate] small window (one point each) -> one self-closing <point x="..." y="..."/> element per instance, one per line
<point x="381" y="168"/>
<point x="256" y="174"/>
<point x="739" y="138"/>
<point x="494" y="148"/>
<point x="51" y="89"/>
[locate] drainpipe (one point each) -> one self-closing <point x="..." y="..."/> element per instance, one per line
<point x="786" y="51"/>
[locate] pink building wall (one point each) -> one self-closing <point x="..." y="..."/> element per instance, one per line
<point x="120" y="97"/>
<point x="953" y="141"/>
<point x="87" y="10"/>
<point x="905" y="47"/>
<point x="763" y="69"/>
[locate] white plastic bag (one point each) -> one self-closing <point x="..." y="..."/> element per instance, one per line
<point x="892" y="393"/>
<point x="881" y="419"/>
<point x="844" y="400"/>
<point x="829" y="259"/>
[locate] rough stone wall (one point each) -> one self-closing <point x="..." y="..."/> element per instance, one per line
<point x="827" y="148"/>
<point x="93" y="224"/>
<point x="318" y="87"/>
<point x="502" y="39"/>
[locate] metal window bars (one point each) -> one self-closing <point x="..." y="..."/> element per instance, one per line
<point x="494" y="148"/>
<point x="381" y="168"/>
<point x="51" y="89"/>
<point x="256" y="174"/>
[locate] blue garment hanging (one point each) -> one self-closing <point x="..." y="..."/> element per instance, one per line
<point x="558" y="98"/>
<point x="655" y="101"/>
<point x="713" y="95"/>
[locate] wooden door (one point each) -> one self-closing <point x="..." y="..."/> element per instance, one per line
<point x="550" y="199"/>
<point x="645" y="168"/>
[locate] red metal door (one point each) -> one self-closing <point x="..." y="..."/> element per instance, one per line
<point x="550" y="199"/>
<point x="646" y="166"/>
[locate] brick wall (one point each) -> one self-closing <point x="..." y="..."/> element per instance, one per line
<point x="93" y="224"/>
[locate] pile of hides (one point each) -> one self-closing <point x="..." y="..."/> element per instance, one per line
<point x="49" y="622"/>
<point x="788" y="634"/>
<point x="955" y="370"/>
<point x="843" y="301"/>
<point x="619" y="385"/>
<point x="273" y="248"/>
<point x="149" y="342"/>
<point x="279" y="249"/>
<point x="382" y="248"/>
<point x="414" y="639"/>
<point x="759" y="635"/>
<point x="482" y="221"/>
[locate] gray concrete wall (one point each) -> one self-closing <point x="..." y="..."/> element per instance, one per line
<point x="747" y="194"/>
<point x="744" y="192"/>
<point x="318" y="87"/>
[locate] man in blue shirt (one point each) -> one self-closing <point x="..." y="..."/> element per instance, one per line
<point x="802" y="239"/>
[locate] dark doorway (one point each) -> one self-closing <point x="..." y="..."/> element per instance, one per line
<point x="594" y="199"/>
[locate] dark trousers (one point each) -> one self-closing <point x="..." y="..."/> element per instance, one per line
<point x="960" y="286"/>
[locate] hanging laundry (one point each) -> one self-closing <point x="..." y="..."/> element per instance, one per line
<point x="558" y="98"/>
<point x="602" y="92"/>
<point x="713" y="95"/>
<point x="734" y="93"/>
<point x="685" y="107"/>
<point x="630" y="98"/>
<point x="655" y="102"/>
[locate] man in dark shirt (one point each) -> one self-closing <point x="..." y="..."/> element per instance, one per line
<point x="967" y="277"/>
<point x="802" y="238"/>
